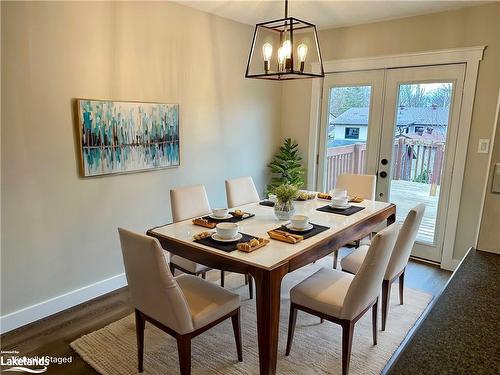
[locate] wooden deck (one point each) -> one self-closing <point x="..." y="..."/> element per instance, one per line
<point x="406" y="195"/>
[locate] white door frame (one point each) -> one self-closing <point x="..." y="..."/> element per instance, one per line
<point x="470" y="56"/>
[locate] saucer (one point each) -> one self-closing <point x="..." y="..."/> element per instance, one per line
<point x="227" y="216"/>
<point x="340" y="207"/>
<point x="305" y="229"/>
<point x="217" y="238"/>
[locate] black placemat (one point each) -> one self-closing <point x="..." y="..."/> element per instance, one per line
<point x="266" y="203"/>
<point x="224" y="246"/>
<point x="232" y="219"/>
<point x="316" y="229"/>
<point x="346" y="211"/>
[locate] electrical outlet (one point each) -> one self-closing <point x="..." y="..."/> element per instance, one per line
<point x="484" y="146"/>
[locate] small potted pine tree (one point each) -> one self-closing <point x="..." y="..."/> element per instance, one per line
<point x="286" y="167"/>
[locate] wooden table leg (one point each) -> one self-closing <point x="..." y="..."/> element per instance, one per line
<point x="268" y="287"/>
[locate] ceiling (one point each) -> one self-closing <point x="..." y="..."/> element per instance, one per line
<point x="324" y="13"/>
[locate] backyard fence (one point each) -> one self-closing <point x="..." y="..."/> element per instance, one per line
<point x="413" y="161"/>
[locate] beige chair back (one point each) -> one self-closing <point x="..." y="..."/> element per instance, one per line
<point x="188" y="202"/>
<point x="359" y="185"/>
<point x="153" y="289"/>
<point x="367" y="282"/>
<point x="240" y="191"/>
<point x="404" y="243"/>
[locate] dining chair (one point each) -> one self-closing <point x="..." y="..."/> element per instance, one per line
<point x="357" y="185"/>
<point x="183" y="306"/>
<point x="398" y="261"/>
<point x="240" y="191"/>
<point x="343" y="298"/>
<point x="189" y="202"/>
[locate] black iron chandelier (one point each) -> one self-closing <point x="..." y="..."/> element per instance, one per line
<point x="296" y="45"/>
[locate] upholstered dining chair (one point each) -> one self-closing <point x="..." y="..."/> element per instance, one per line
<point x="189" y="202"/>
<point x="359" y="185"/>
<point x="344" y="298"/>
<point x="398" y="261"/>
<point x="240" y="191"/>
<point x="183" y="306"/>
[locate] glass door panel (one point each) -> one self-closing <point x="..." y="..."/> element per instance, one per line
<point x="420" y="129"/>
<point x="422" y="118"/>
<point x="350" y="125"/>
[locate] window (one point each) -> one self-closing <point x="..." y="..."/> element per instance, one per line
<point x="351" y="133"/>
<point x="419" y="130"/>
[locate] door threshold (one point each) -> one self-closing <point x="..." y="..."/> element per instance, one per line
<point x="427" y="261"/>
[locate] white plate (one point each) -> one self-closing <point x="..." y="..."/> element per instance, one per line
<point x="340" y="207"/>
<point x="308" y="227"/>
<point x="216" y="237"/>
<point x="228" y="216"/>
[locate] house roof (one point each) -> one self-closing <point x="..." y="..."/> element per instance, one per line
<point x="430" y="116"/>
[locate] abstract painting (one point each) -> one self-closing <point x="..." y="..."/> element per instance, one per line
<point x="123" y="137"/>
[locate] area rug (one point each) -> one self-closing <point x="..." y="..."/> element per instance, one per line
<point x="316" y="347"/>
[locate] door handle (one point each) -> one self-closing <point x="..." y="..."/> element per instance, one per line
<point x="383" y="174"/>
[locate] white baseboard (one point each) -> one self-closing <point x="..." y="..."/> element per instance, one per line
<point x="54" y="305"/>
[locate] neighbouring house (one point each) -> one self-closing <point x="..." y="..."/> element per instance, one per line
<point x="427" y="124"/>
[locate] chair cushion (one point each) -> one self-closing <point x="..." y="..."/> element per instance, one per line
<point x="187" y="264"/>
<point x="207" y="301"/>
<point x="324" y="291"/>
<point x="352" y="262"/>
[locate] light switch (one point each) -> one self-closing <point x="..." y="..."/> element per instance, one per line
<point x="496" y="179"/>
<point x="484" y="146"/>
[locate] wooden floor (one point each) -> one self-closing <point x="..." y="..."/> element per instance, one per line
<point x="52" y="336"/>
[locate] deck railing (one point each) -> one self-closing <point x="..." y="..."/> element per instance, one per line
<point x="413" y="161"/>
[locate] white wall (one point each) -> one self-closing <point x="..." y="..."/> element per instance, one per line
<point x="59" y="230"/>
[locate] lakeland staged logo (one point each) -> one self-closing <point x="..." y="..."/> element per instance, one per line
<point x="12" y="362"/>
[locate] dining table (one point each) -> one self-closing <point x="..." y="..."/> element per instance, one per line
<point x="269" y="264"/>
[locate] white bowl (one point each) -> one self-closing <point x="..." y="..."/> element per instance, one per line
<point x="299" y="221"/>
<point x="339" y="201"/>
<point x="227" y="231"/>
<point x="220" y="212"/>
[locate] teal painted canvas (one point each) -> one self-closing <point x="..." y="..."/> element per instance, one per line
<point x="124" y="137"/>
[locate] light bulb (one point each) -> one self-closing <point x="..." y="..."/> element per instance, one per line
<point x="302" y="52"/>
<point x="267" y="51"/>
<point x="281" y="59"/>
<point x="281" y="55"/>
<point x="287" y="48"/>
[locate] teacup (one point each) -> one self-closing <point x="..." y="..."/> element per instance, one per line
<point x="338" y="193"/>
<point x="220" y="212"/>
<point x="299" y="221"/>
<point x="227" y="231"/>
<point x="273" y="198"/>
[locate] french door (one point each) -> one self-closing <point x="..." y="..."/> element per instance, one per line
<point x="401" y="125"/>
